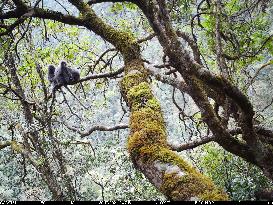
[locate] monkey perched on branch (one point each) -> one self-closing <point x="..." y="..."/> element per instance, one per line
<point x="63" y="76"/>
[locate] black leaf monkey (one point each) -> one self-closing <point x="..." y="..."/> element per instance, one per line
<point x="63" y="76"/>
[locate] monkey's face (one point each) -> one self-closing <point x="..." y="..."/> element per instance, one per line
<point x="51" y="69"/>
<point x="63" y="64"/>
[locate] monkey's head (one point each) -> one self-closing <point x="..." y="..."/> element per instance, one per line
<point x="51" y="69"/>
<point x="51" y="73"/>
<point x="63" y="64"/>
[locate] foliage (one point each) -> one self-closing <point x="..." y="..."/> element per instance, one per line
<point x="240" y="179"/>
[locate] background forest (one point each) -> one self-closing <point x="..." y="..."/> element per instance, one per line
<point x="176" y="100"/>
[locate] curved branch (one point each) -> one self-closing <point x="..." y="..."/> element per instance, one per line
<point x="101" y="75"/>
<point x="91" y="2"/>
<point x="192" y="44"/>
<point x="96" y="128"/>
<point x="191" y="145"/>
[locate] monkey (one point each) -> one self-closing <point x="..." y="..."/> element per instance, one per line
<point x="63" y="76"/>
<point x="51" y="73"/>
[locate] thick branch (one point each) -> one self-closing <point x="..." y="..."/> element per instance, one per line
<point x="197" y="78"/>
<point x="175" y="82"/>
<point x="192" y="44"/>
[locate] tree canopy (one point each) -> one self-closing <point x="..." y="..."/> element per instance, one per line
<point x="174" y="100"/>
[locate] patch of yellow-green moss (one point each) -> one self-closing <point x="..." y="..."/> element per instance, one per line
<point x="136" y="65"/>
<point x="172" y="184"/>
<point x="180" y="187"/>
<point x="143" y="141"/>
<point x="148" y="129"/>
<point x="126" y="43"/>
<point x="141" y="96"/>
<point x="153" y="104"/>
<point x="146" y="117"/>
<point x="160" y="152"/>
<point x="131" y="80"/>
<point x="15" y="146"/>
<point x="147" y="125"/>
<point x="215" y="195"/>
<point x="142" y="90"/>
<point x="191" y="185"/>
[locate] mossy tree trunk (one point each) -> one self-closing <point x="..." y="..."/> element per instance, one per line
<point x="148" y="148"/>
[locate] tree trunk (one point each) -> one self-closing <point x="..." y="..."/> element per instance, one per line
<point x="148" y="148"/>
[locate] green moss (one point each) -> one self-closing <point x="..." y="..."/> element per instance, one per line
<point x="153" y="104"/>
<point x="175" y="186"/>
<point x="139" y="91"/>
<point x="161" y="152"/>
<point x="192" y="183"/>
<point x="148" y="129"/>
<point x="146" y="141"/>
<point x="144" y="116"/>
<point x="16" y="147"/>
<point x="139" y="95"/>
<point x="131" y="80"/>
<point x="178" y="187"/>
<point x="146" y="122"/>
<point x="215" y="195"/>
